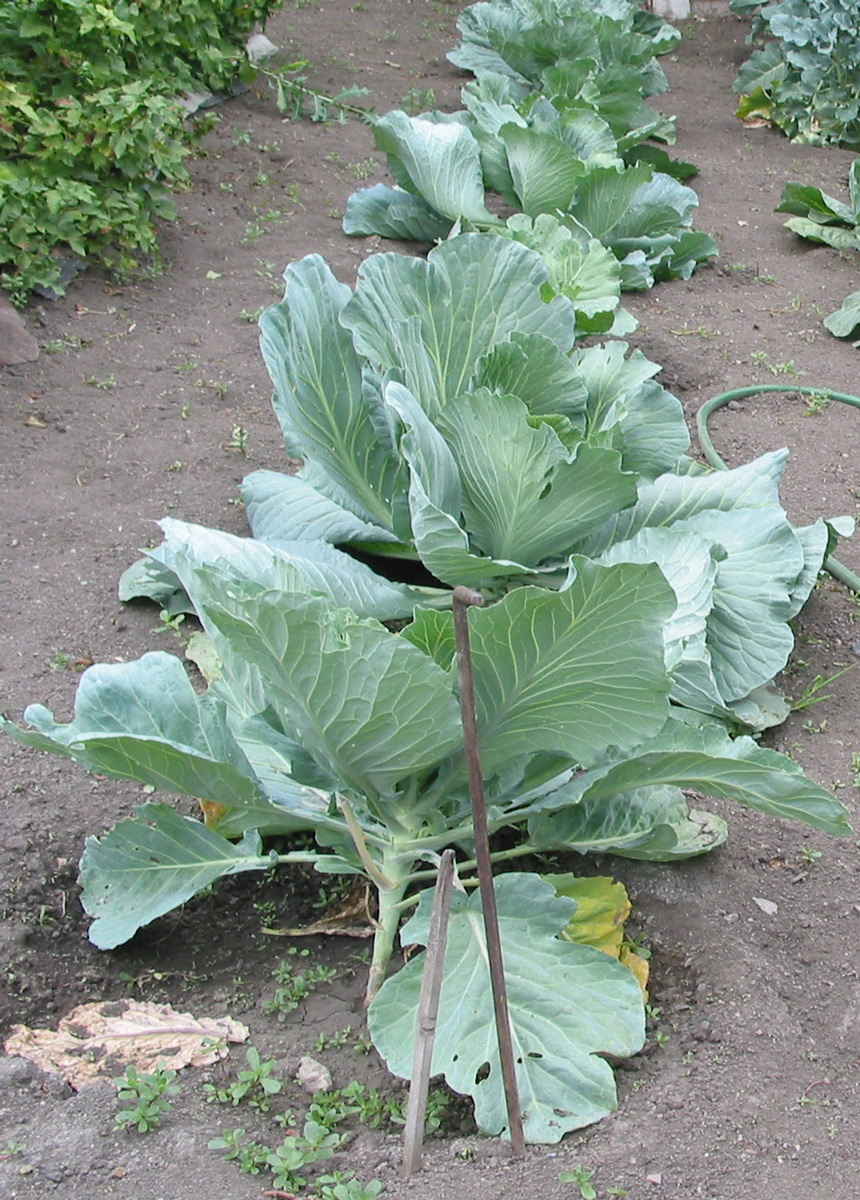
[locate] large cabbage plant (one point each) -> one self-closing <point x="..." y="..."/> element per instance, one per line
<point x="555" y="127"/>
<point x="445" y="417"/>
<point x="638" y="608"/>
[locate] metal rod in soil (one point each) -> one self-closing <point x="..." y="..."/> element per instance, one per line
<point x="464" y="598"/>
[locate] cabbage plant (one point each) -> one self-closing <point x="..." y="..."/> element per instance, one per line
<point x="445" y="416"/>
<point x="318" y="719"/>
<point x="554" y="125"/>
<point x="637" y="605"/>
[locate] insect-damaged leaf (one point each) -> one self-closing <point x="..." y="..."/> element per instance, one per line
<point x="568" y="1004"/>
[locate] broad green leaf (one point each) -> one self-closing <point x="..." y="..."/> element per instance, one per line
<point x="314" y="567"/>
<point x="694" y="834"/>
<point x="148" y="865"/>
<point x="657" y="157"/>
<point x="611" y="823"/>
<point x="426" y="451"/>
<point x="488" y="117"/>
<point x="572" y="672"/>
<point x="828" y="235"/>
<point x="298" y="790"/>
<point x="323" y="398"/>
<point x="524" y="498"/>
<point x="763" y="70"/>
<point x="435" y="500"/>
<point x="660" y="205"/>
<point x="590" y="137"/>
<point x="143" y="720"/>
<point x="611" y="379"/>
<point x="689" y="248"/>
<point x="622" y="393"/>
<point x="393" y="213"/>
<point x="801" y="200"/>
<point x="443" y="545"/>
<point x="845" y="320"/>
<point x="709" y="761"/>
<point x="482" y="60"/>
<point x="288" y="508"/>
<point x="368" y="706"/>
<point x="432" y="319"/>
<point x="578" y="267"/>
<point x="443" y="162"/>
<point x="533" y="368"/>
<point x="688" y="564"/>
<point x="149" y="579"/>
<point x="545" y="170"/>
<point x="568" y="1004"/>
<point x="672" y="498"/>
<point x="748" y="633"/>
<point x="604" y="197"/>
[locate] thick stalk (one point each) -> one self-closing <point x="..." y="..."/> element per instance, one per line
<point x="388" y="918"/>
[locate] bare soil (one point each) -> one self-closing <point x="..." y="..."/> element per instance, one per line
<point x="143" y="400"/>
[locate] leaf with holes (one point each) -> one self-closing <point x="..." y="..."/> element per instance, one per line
<point x="568" y="1004"/>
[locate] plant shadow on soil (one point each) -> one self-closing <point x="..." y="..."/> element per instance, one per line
<point x="751" y="1087"/>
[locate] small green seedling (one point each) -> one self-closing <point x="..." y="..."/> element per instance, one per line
<point x="294" y="987"/>
<point x="813" y="692"/>
<point x="314" y="1144"/>
<point x="332" y="1041"/>
<point x="238" y="440"/>
<point x="147" y="1094"/>
<point x="582" y="1178"/>
<point x="816" y="402"/>
<point x="371" y="1108"/>
<point x="334" y="1188"/>
<point x="257" y="1084"/>
<point x="855" y="768"/>
<point x="170" y="623"/>
<point x="249" y="1156"/>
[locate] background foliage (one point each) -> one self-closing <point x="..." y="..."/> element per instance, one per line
<point x="91" y="132"/>
<point x="805" y="81"/>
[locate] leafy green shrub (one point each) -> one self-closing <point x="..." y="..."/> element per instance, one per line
<point x="805" y="81"/>
<point x="91" y="133"/>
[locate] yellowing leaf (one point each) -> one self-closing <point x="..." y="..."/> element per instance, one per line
<point x="637" y="964"/>
<point x="603" y="906"/>
<point x="102" y="1038"/>
<point x="212" y="812"/>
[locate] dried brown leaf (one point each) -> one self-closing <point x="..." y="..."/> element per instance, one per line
<point x="99" y="1039"/>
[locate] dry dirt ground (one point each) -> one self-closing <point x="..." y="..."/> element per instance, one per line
<point x="137" y="407"/>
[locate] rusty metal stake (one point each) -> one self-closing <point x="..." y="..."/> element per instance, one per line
<point x="428" y="1010"/>
<point x="463" y="599"/>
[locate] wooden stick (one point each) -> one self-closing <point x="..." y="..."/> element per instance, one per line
<point x="463" y="599"/>
<point x="428" y="1010"/>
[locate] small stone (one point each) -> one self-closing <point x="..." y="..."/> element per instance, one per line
<point x="313" y="1076"/>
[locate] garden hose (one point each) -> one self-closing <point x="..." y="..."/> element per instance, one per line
<point x="832" y="565"/>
